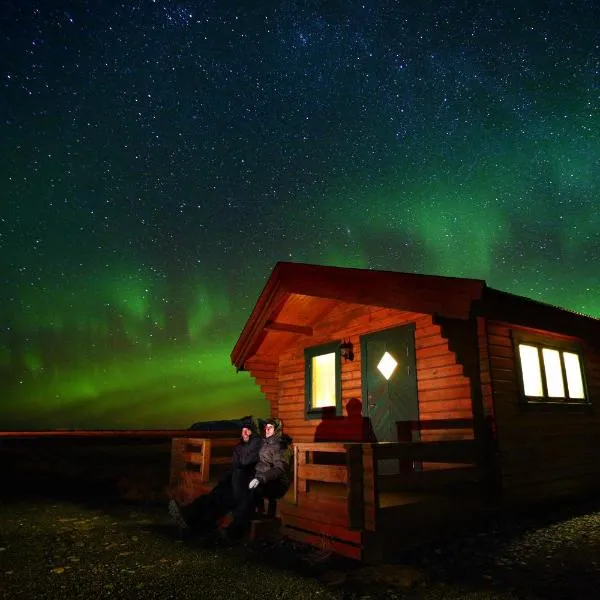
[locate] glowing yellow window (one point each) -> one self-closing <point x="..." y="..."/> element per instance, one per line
<point x="554" y="378"/>
<point x="574" y="378"/>
<point x="530" y="367"/>
<point x="551" y="373"/>
<point x="323" y="380"/>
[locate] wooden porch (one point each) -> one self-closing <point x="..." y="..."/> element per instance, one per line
<point x="360" y="500"/>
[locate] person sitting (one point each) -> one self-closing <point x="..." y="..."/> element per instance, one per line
<point x="203" y="514"/>
<point x="271" y="479"/>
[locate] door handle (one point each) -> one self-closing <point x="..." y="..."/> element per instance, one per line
<point x="370" y="400"/>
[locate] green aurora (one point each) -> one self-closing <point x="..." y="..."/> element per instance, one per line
<point x="160" y="158"/>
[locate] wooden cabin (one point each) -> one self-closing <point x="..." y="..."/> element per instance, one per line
<point x="418" y="402"/>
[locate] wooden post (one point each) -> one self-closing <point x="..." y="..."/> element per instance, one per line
<point x="295" y="474"/>
<point x="300" y="481"/>
<point x="355" y="499"/>
<point x="177" y="468"/>
<point x="205" y="464"/>
<point x="370" y="486"/>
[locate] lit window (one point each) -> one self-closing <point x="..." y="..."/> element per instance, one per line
<point x="323" y="382"/>
<point x="387" y="365"/>
<point x="574" y="377"/>
<point x="554" y="376"/>
<point x="530" y="366"/>
<point x="551" y="374"/>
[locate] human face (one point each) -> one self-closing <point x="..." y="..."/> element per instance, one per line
<point x="269" y="430"/>
<point x="246" y="433"/>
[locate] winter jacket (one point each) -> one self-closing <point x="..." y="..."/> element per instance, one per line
<point x="245" y="454"/>
<point x="275" y="457"/>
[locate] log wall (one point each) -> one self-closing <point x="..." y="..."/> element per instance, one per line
<point x="544" y="451"/>
<point x="444" y="389"/>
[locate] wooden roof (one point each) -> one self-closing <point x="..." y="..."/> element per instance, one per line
<point x="298" y="294"/>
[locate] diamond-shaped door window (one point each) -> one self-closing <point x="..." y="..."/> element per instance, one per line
<point x="387" y="365"/>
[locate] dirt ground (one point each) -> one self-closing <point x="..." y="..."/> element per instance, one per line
<point x="71" y="549"/>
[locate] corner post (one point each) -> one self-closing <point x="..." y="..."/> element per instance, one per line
<point x="370" y="486"/>
<point x="354" y="491"/>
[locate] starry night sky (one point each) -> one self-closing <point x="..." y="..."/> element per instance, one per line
<point x="159" y="157"/>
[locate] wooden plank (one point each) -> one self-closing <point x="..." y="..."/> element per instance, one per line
<point x="323" y="447"/>
<point x="317" y="526"/>
<point x="289" y="328"/>
<point x="429" y="480"/>
<point x="440" y="372"/>
<point x="444" y="383"/>
<point x="454" y="393"/>
<point x="327" y="473"/>
<point x="460" y="407"/>
<point x="331" y="510"/>
<point x="440" y="360"/>
<point x="259" y="373"/>
<point x="225" y="442"/>
<point x="452" y="451"/>
<point x="193" y="457"/>
<point x="438" y="350"/>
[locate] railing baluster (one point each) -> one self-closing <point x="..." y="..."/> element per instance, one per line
<point x="370" y="487"/>
<point x="355" y="494"/>
<point x="205" y="464"/>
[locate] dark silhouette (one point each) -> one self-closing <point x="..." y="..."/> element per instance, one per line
<point x="351" y="428"/>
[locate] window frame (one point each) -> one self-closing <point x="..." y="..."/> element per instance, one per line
<point x="540" y="342"/>
<point x="311" y="412"/>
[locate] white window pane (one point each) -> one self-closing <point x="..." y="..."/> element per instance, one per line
<point x="323" y="380"/>
<point x="530" y="366"/>
<point x="574" y="378"/>
<point x="387" y="365"/>
<point x="554" y="378"/>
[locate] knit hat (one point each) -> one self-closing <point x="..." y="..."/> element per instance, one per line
<point x="251" y="423"/>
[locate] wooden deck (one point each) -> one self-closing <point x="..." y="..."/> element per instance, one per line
<point x="340" y="501"/>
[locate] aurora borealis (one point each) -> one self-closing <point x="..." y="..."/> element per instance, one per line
<point x="160" y="157"/>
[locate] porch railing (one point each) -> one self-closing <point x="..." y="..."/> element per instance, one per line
<point x="196" y="461"/>
<point x="455" y="462"/>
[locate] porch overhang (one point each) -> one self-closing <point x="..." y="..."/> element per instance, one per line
<point x="295" y="282"/>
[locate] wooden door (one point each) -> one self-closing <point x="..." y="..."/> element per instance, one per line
<point x="389" y="382"/>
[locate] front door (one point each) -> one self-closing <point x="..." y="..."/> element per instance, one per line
<point x="389" y="379"/>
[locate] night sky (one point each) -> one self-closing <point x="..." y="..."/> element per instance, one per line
<point x="159" y="157"/>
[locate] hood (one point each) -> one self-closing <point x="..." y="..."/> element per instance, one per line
<point x="277" y="423"/>
<point x="278" y="435"/>
<point x="251" y="423"/>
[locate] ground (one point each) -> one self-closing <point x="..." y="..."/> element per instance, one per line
<point x="71" y="549"/>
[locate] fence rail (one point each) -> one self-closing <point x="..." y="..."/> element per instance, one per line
<point x="193" y="463"/>
<point x="119" y="433"/>
<point x="455" y="463"/>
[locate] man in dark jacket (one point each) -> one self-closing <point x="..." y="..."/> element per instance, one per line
<point x="202" y="515"/>
<point x="271" y="480"/>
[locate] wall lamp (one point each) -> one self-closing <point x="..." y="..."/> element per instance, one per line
<point x="347" y="350"/>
